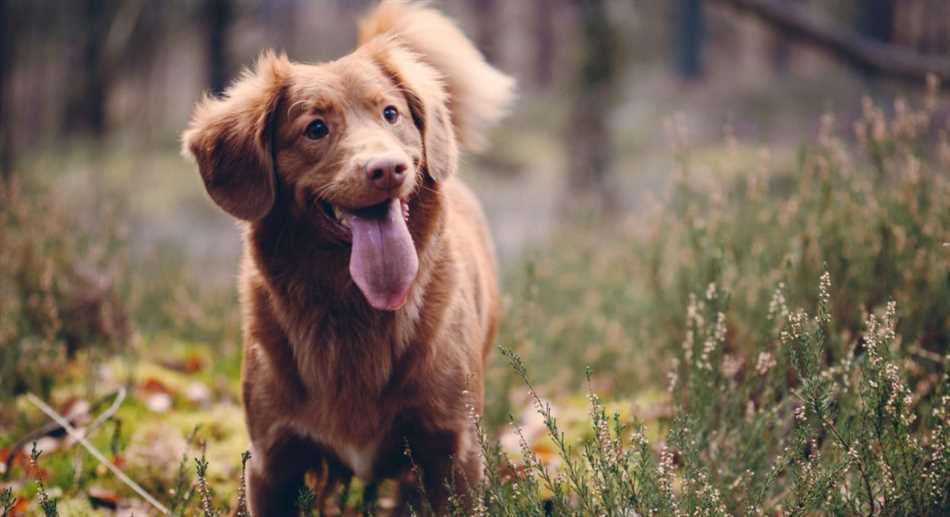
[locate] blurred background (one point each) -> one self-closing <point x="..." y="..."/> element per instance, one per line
<point x="95" y="94"/>
<point x="657" y="150"/>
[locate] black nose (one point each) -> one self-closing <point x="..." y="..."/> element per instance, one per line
<point x="387" y="172"/>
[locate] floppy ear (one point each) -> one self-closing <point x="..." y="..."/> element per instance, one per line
<point x="428" y="103"/>
<point x="230" y="139"/>
<point x="477" y="94"/>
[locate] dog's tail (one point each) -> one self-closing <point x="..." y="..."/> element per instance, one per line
<point x="479" y="94"/>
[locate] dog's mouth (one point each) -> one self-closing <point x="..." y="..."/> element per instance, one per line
<point x="383" y="259"/>
<point x="339" y="218"/>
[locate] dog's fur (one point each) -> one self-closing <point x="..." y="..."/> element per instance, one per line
<point x="329" y="383"/>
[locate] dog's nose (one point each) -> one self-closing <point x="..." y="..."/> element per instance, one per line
<point x="387" y="172"/>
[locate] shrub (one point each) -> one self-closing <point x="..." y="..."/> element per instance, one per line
<point x="58" y="291"/>
<point x="809" y="370"/>
<point x="785" y="320"/>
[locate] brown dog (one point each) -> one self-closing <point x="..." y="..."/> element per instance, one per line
<point x="368" y="281"/>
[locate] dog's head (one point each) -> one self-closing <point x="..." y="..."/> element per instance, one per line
<point x="348" y="143"/>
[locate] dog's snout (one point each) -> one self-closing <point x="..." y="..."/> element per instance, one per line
<point x="387" y="172"/>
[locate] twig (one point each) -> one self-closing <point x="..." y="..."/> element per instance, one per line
<point x="847" y="449"/>
<point x="860" y="51"/>
<point x="102" y="418"/>
<point x="107" y="414"/>
<point x="78" y="436"/>
<point x="53" y="427"/>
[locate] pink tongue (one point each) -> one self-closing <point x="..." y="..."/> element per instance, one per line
<point x="383" y="262"/>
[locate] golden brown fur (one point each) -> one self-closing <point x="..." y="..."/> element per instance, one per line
<point x="327" y="379"/>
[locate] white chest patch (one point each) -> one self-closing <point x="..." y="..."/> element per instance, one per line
<point x="360" y="458"/>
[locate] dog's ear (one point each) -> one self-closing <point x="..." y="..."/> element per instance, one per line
<point x="478" y="95"/>
<point x="426" y="97"/>
<point x="230" y="138"/>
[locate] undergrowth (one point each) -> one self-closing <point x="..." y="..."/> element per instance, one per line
<point x="801" y="315"/>
<point x="58" y="289"/>
<point x="775" y="331"/>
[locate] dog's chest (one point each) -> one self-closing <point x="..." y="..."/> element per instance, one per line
<point x="349" y="415"/>
<point x="354" y="390"/>
<point x="360" y="459"/>
<point x="355" y="439"/>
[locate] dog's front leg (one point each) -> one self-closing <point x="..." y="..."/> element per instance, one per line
<point x="448" y="466"/>
<point x="275" y="476"/>
<point x="271" y="490"/>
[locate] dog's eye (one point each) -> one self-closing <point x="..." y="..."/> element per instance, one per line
<point x="317" y="130"/>
<point x="391" y="114"/>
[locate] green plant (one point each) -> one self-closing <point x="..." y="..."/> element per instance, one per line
<point x="59" y="291"/>
<point x="843" y="439"/>
<point x="306" y="501"/>
<point x="780" y="322"/>
<point x="201" y="470"/>
<point x="787" y="391"/>
<point x="7" y="502"/>
<point x="242" y="510"/>
<point x="47" y="504"/>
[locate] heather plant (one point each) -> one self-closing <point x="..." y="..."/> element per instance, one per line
<point x="206" y="498"/>
<point x="798" y="435"/>
<point x="58" y="290"/>
<point x="7" y="502"/>
<point x="809" y="368"/>
<point x="770" y="338"/>
<point x="48" y="505"/>
<point x="306" y="501"/>
<point x="241" y="508"/>
<point x="866" y="203"/>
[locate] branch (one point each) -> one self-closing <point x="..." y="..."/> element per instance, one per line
<point x="78" y="436"/>
<point x="73" y="417"/>
<point x="843" y="43"/>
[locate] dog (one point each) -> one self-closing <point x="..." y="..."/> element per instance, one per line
<point x="368" y="280"/>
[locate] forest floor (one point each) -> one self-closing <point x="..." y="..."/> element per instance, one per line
<point x="680" y="307"/>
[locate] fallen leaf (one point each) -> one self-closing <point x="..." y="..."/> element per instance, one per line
<point x="153" y="385"/>
<point x="102" y="498"/>
<point x="193" y="363"/>
<point x="19" y="459"/>
<point x="545" y="453"/>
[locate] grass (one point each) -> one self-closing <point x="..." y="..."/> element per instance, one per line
<point x="771" y="337"/>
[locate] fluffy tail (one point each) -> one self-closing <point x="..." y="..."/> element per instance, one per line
<point x="479" y="94"/>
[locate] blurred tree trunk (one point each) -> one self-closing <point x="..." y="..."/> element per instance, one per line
<point x="938" y="38"/>
<point x="782" y="48"/>
<point x="86" y="107"/>
<point x="544" y="15"/>
<point x="935" y="33"/>
<point x="588" y="131"/>
<point x="847" y="45"/>
<point x="924" y="25"/>
<point x="218" y="16"/>
<point x="487" y="33"/>
<point x="7" y="40"/>
<point x="877" y="20"/>
<point x="877" y="24"/>
<point x="689" y="21"/>
<point x="144" y="41"/>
